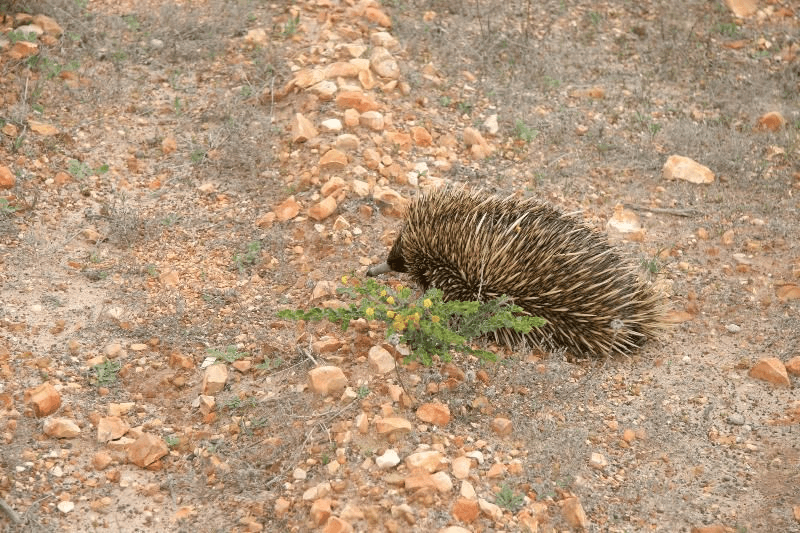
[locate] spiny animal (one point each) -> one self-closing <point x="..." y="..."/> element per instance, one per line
<point x="477" y="246"/>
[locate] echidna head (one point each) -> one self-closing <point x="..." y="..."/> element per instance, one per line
<point x="395" y="262"/>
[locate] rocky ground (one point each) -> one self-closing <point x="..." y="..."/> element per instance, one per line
<point x="175" y="173"/>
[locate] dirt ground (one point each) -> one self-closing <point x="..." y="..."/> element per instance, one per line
<point x="161" y="201"/>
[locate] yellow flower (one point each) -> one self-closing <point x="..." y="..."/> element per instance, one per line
<point x="390" y="313"/>
<point x="370" y="312"/>
<point x="399" y="325"/>
<point x="383" y="292"/>
<point x="344" y="280"/>
<point x="427" y="303"/>
<point x="435" y="319"/>
<point x="390" y="300"/>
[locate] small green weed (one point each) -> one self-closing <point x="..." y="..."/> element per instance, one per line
<point x="5" y="207"/>
<point x="728" y="29"/>
<point x="229" y="354"/>
<point x="18" y="35"/>
<point x="465" y="108"/>
<point x="430" y="326"/>
<point x="651" y="265"/>
<point x="291" y="26"/>
<point x="551" y="82"/>
<point x="363" y="392"/>
<point x="80" y="170"/>
<point x="524" y="132"/>
<point x="269" y="364"/>
<point x="508" y="499"/>
<point x="172" y="440"/>
<point x="131" y="21"/>
<point x="249" y="257"/>
<point x="106" y="372"/>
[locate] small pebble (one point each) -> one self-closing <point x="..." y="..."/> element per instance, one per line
<point x="736" y="419"/>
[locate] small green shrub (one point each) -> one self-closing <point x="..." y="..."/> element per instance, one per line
<point x="106" y="372"/>
<point x="524" y="132"/>
<point x="80" y="170"/>
<point x="229" y="354"/>
<point x="508" y="499"/>
<point x="430" y="326"/>
<point x="249" y="257"/>
<point x="5" y="207"/>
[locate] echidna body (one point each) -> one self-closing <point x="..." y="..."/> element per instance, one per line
<point x="475" y="246"/>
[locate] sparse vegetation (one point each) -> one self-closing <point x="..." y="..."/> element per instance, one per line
<point x="228" y="354"/>
<point x="508" y="499"/>
<point x="249" y="257"/>
<point x="430" y="326"/>
<point x="106" y="372"/>
<point x="81" y="170"/>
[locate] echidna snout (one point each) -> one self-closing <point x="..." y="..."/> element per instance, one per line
<point x="473" y="245"/>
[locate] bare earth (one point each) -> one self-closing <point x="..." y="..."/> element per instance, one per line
<point x="161" y="201"/>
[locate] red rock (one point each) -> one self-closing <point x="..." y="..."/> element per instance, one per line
<point x="502" y="426"/>
<point x="42" y="128"/>
<point x="7" y="178"/>
<point x="684" y="168"/>
<point x="376" y="15"/>
<point x="716" y="528"/>
<point x="465" y="510"/>
<point x="793" y="366"/>
<point x="214" y="379"/>
<point x="380" y="360"/>
<point x="789" y="291"/>
<point x="434" y="413"/>
<point x="428" y="461"/>
<point x="287" y="210"/>
<point x="320" y="511"/>
<point x="61" y="428"/>
<point x="333" y="186"/>
<point x="742" y="8"/>
<point x="372" y="120"/>
<point x="23" y="49"/>
<point x="327" y="380"/>
<point x="573" y="513"/>
<point x="111" y="428"/>
<point x="402" y="140"/>
<point x="302" y="129"/>
<point x="356" y="100"/>
<point x="146" y="450"/>
<point x="771" y="369"/>
<point x="421" y="136"/>
<point x="169" y="145"/>
<point x="461" y="466"/>
<point x="101" y="460"/>
<point x="351" y="117"/>
<point x="337" y="525"/>
<point x="49" y="25"/>
<point x="323" y="209"/>
<point x="341" y="69"/>
<point x="392" y="425"/>
<point x="383" y="63"/>
<point x="44" y="399"/>
<point x="333" y="160"/>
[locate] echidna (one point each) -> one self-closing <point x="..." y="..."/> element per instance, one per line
<point x="476" y="246"/>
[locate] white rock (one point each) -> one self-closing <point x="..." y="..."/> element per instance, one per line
<point x="388" y="460"/>
<point x="66" y="507"/>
